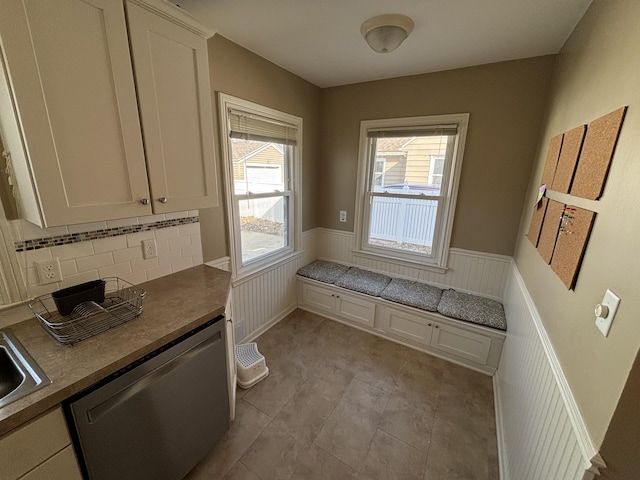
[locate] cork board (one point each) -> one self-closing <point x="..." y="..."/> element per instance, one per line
<point x="575" y="228"/>
<point x="536" y="221"/>
<point x="553" y="153"/>
<point x="597" y="153"/>
<point x="571" y="145"/>
<point x="550" y="228"/>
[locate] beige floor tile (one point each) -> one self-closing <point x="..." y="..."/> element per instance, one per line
<point x="278" y="454"/>
<point x="247" y="426"/>
<point x="348" y="432"/>
<point x="468" y="408"/>
<point x="240" y="472"/>
<point x="456" y="453"/>
<point x="390" y="458"/>
<point x="328" y="382"/>
<point x="304" y="415"/>
<point x="410" y="419"/>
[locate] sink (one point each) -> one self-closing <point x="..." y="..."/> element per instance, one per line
<point x="19" y="373"/>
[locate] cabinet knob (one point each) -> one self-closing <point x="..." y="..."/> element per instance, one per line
<point x="162" y="199"/>
<point x="430" y="323"/>
<point x="437" y="326"/>
<point x="144" y="201"/>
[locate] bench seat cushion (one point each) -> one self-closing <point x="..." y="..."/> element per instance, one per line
<point x="414" y="294"/>
<point x="363" y="281"/>
<point x="323" y="271"/>
<point x="473" y="308"/>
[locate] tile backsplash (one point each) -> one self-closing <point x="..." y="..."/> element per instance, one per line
<point x="109" y="249"/>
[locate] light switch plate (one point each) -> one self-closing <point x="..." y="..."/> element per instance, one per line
<point x="611" y="300"/>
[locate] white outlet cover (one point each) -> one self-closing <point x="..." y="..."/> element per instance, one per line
<point x="48" y="271"/>
<point x="612" y="301"/>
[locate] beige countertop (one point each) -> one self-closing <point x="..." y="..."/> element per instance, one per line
<point x="173" y="305"/>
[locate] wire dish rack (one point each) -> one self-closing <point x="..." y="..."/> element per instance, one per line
<point x="122" y="302"/>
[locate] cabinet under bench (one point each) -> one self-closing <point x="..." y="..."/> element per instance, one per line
<point x="467" y="344"/>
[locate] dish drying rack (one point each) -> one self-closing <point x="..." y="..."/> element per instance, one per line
<point x="122" y="303"/>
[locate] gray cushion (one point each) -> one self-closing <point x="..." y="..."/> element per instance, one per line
<point x="363" y="281"/>
<point x="327" y="272"/>
<point x="414" y="294"/>
<point x="473" y="308"/>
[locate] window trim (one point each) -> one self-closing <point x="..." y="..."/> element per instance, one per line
<point x="225" y="104"/>
<point x="440" y="258"/>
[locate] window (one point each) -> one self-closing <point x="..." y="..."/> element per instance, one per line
<point x="261" y="156"/>
<point x="406" y="206"/>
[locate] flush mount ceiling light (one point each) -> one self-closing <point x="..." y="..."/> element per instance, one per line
<point x="385" y="33"/>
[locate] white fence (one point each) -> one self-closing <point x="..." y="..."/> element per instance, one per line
<point x="403" y="220"/>
<point x="272" y="209"/>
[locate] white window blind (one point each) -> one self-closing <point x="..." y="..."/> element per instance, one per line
<point x="254" y="127"/>
<point x="419" y="131"/>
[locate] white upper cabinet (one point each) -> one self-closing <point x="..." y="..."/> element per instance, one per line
<point x="69" y="109"/>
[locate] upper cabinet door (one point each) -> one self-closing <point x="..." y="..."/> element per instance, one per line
<point x="71" y="77"/>
<point x="172" y="78"/>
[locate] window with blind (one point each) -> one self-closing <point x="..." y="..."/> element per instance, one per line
<point x="261" y="148"/>
<point x="408" y="180"/>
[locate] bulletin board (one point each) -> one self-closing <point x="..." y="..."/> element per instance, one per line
<point x="577" y="163"/>
<point x="573" y="235"/>
<point x="569" y="154"/>
<point x="597" y="153"/>
<point x="550" y="229"/>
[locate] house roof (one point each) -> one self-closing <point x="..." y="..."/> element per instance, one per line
<point x="245" y="149"/>
<point x="392" y="145"/>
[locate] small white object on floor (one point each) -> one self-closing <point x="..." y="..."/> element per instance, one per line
<point x="252" y="366"/>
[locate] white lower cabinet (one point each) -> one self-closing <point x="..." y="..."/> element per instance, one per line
<point x="346" y="306"/>
<point x="40" y="449"/>
<point x="475" y="346"/>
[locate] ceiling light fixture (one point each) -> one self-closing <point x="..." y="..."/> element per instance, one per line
<point x="385" y="33"/>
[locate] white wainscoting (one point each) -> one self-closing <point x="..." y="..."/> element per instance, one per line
<point x="541" y="434"/>
<point x="477" y="272"/>
<point x="264" y="298"/>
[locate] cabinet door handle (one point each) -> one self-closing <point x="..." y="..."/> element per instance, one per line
<point x="162" y="199"/>
<point x="144" y="201"/>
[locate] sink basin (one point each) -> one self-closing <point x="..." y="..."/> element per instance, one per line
<point x="19" y="373"/>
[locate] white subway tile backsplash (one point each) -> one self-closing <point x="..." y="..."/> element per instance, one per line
<point x="189" y="229"/>
<point x="191" y="250"/>
<point x="196" y="239"/>
<point x="135" y="277"/>
<point x="68" y="267"/>
<point x="167" y="258"/>
<point x="173" y="216"/>
<point x="122" y="222"/>
<point x="110" y="244"/>
<point x="72" y="250"/>
<point x="127" y="254"/>
<point x="95" y="261"/>
<point x="87" y="227"/>
<point x="82" y="277"/>
<point x="198" y="259"/>
<point x="151" y="218"/>
<point x="27" y="258"/>
<point x="117" y="270"/>
<point x="179" y="242"/>
<point x="32" y="276"/>
<point x="158" y="272"/>
<point x="162" y="246"/>
<point x="165" y="233"/>
<point x="135" y="239"/>
<point x="138" y="265"/>
<point x="181" y="264"/>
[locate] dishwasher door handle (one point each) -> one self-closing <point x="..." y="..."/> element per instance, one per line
<point x="94" y="414"/>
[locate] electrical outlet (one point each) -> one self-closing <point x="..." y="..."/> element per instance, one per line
<point x="48" y="271"/>
<point x="343" y="215"/>
<point x="149" y="248"/>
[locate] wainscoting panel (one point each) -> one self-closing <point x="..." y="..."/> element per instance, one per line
<point x="541" y="434"/>
<point x="476" y="272"/>
<point x="261" y="300"/>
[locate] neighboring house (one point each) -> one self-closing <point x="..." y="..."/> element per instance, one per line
<point x="257" y="162"/>
<point x="411" y="160"/>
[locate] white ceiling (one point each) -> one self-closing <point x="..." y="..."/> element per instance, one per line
<point x="320" y="40"/>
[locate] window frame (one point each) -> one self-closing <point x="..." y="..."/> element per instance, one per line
<point x="226" y="103"/>
<point x="445" y="220"/>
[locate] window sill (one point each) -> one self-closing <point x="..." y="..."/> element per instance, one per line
<point x="400" y="261"/>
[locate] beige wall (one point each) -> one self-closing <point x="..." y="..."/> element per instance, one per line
<point x="239" y="72"/>
<point x="506" y="102"/>
<point x="598" y="71"/>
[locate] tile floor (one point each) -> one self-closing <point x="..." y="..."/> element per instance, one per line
<point x="343" y="404"/>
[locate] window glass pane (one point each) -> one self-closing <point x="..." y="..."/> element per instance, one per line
<point x="405" y="224"/>
<point x="408" y="167"/>
<point x="263" y="226"/>
<point x="258" y="167"/>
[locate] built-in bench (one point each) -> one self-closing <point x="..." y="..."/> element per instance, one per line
<point x="462" y="327"/>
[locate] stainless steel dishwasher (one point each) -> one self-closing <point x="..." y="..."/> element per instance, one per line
<point x="158" y="417"/>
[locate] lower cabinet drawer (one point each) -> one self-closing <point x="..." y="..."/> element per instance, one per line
<point x="62" y="465"/>
<point x="461" y="343"/>
<point x="356" y="309"/>
<point x="406" y="325"/>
